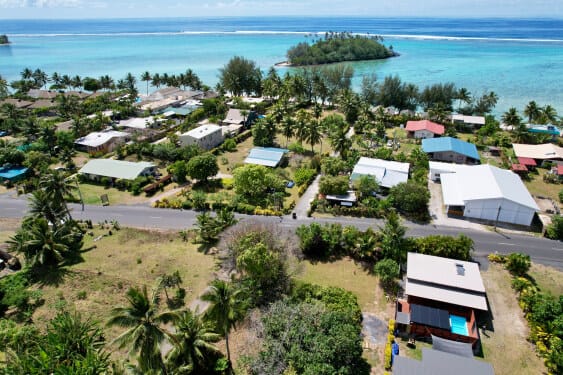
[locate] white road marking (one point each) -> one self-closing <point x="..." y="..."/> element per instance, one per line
<point x="506" y="244"/>
<point x="156" y="217"/>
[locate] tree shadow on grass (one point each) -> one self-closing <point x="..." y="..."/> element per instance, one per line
<point x="52" y="276"/>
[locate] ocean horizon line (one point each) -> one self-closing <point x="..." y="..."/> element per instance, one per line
<point x="283" y="32"/>
<point x="303" y="16"/>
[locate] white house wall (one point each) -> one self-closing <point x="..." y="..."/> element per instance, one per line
<point x="423" y="134"/>
<point x="488" y="209"/>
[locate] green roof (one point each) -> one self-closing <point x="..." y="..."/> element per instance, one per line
<point x="115" y="168"/>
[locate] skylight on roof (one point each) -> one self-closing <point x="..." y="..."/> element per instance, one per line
<point x="460" y="269"/>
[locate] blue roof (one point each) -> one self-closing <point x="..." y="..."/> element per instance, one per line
<point x="450" y="144"/>
<point x="10" y="173"/>
<point x="268" y="156"/>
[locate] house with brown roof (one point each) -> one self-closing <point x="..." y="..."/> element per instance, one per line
<point x="424" y="129"/>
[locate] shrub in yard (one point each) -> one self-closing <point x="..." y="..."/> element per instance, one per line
<point x="497" y="258"/>
<point x="518" y="263"/>
<point x="561" y="196"/>
<point x="304" y="176"/>
<point x="334" y="185"/>
<point x="230" y="145"/>
<point x="410" y="197"/>
<point x="387" y="270"/>
<point x="555" y="229"/>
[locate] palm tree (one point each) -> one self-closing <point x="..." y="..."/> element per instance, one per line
<point x="532" y="111"/>
<point x="511" y="118"/>
<point x="227" y="308"/>
<point x="339" y="141"/>
<point x="66" y="81"/>
<point x="302" y="124"/>
<point x="56" y="79"/>
<point x="76" y="82"/>
<point x="26" y="73"/>
<point x="41" y="205"/>
<point x="144" y="331"/>
<point x="463" y="95"/>
<point x="58" y="188"/>
<point x="146" y="77"/>
<point x="549" y="114"/>
<point x="41" y="245"/>
<point x="288" y="127"/>
<point x="130" y="82"/>
<point x="193" y="351"/>
<point x="40" y="78"/>
<point x="314" y="134"/>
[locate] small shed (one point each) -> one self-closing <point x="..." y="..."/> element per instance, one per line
<point x="266" y="156"/>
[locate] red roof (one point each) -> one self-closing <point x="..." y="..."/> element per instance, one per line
<point x="413" y="126"/>
<point x="560" y="170"/>
<point x="519" y="168"/>
<point x="527" y="161"/>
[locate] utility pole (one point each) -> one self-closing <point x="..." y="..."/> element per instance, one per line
<point x="498" y="214"/>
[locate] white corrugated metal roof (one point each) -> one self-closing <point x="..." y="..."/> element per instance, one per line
<point x="443" y="271"/>
<point x="387" y="173"/>
<point x="482" y="182"/>
<point x="439" y="279"/>
<point x="445" y="167"/>
<point x="137" y="122"/>
<point x="115" y="168"/>
<point x="451" y="191"/>
<point x="96" y="139"/>
<point x="478" y="120"/>
<point x="437" y="293"/>
<point x="545" y="151"/>
<point x="203" y="131"/>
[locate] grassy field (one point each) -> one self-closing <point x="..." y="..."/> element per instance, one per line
<point x="547" y="279"/>
<point x="7" y="228"/>
<point x="91" y="194"/>
<point x="128" y="258"/>
<point x="537" y="186"/>
<point x="506" y="348"/>
<point x="348" y="275"/>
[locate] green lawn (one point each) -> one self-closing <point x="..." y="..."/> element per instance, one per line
<point x="537" y="186"/>
<point x="348" y="275"/>
<point x="548" y="279"/>
<point x="91" y="194"/>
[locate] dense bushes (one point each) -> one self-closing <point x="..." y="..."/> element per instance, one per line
<point x="410" y="198"/>
<point x="445" y="246"/>
<point x="555" y="229"/>
<point x="334" y="185"/>
<point x="309" y="338"/>
<point x="304" y="176"/>
<point x="334" y="240"/>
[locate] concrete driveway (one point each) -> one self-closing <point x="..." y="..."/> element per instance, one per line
<point x="438" y="214"/>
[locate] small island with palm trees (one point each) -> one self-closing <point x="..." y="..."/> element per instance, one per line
<point x="338" y="47"/>
<point x="4" y="39"/>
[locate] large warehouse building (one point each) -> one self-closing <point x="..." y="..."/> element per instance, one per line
<point x="488" y="193"/>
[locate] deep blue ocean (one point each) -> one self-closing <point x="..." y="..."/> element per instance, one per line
<point x="519" y="59"/>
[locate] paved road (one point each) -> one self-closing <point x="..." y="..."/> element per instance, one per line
<point x="541" y="250"/>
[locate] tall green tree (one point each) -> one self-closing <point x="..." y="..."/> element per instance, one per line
<point x="511" y="117"/>
<point x="193" y="350"/>
<point x="44" y="246"/>
<point x="143" y="322"/>
<point x="393" y="244"/>
<point x="532" y="110"/>
<point x="146" y="77"/>
<point x="227" y="308"/>
<point x="58" y="187"/>
<point x="241" y="76"/>
<point x="202" y="167"/>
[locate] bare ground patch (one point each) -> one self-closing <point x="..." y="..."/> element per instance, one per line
<point x="506" y="348"/>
